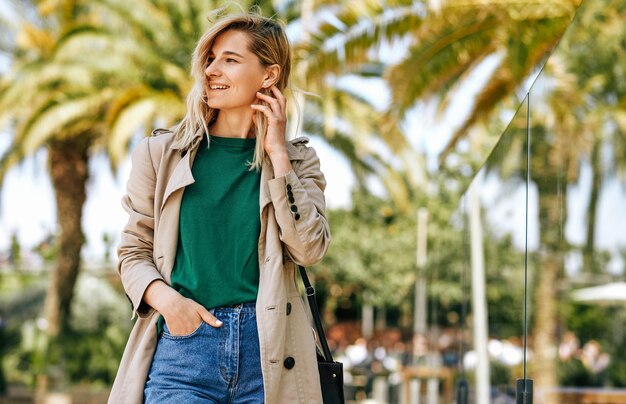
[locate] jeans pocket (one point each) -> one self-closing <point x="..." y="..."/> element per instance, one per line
<point x="166" y="331"/>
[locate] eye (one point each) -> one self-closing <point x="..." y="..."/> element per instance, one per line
<point x="229" y="59"/>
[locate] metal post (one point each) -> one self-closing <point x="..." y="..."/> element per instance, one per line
<point x="419" y="322"/>
<point x="479" y="298"/>
<point x="524" y="391"/>
<point x="380" y="390"/>
<point x="415" y="386"/>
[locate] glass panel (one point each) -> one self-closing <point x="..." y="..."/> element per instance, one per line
<point x="568" y="217"/>
<point x="577" y="213"/>
<point x="492" y="217"/>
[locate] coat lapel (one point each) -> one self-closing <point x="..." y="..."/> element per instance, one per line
<point x="181" y="176"/>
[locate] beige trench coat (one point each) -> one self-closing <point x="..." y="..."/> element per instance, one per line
<point x="148" y="247"/>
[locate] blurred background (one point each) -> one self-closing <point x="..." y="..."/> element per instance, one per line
<point x="475" y="153"/>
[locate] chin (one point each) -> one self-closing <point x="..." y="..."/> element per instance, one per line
<point x="215" y="104"/>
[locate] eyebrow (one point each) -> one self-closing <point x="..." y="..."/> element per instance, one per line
<point x="229" y="53"/>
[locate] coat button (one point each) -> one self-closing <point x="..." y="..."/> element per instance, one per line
<point x="294" y="208"/>
<point x="289" y="362"/>
<point x="291" y="199"/>
<point x="296" y="216"/>
<point x="289" y="187"/>
<point x="288" y="308"/>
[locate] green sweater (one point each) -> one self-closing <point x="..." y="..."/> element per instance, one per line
<point x="217" y="255"/>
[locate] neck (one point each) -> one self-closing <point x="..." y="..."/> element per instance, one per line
<point x="234" y="123"/>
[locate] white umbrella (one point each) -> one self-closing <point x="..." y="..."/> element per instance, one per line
<point x="610" y="293"/>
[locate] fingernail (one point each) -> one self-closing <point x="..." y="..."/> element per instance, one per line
<point x="218" y="322"/>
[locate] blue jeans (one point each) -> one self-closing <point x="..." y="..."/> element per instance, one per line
<point x="210" y="365"/>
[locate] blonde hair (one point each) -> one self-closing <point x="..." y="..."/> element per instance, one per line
<point x="268" y="41"/>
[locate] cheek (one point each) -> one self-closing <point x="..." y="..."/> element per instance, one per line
<point x="250" y="88"/>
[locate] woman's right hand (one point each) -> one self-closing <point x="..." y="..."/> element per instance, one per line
<point x="184" y="316"/>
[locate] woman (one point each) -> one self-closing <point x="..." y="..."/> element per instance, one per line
<point x="221" y="209"/>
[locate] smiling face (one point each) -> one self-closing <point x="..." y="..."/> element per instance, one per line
<point x="233" y="73"/>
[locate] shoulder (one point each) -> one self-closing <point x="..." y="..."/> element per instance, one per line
<point x="160" y="142"/>
<point x="298" y="148"/>
<point x="299" y="141"/>
<point x="153" y="148"/>
<point x="158" y="138"/>
<point x="161" y="137"/>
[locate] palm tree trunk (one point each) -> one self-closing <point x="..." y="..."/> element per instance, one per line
<point x="590" y="264"/>
<point x="68" y="165"/>
<point x="550" y="181"/>
<point x="545" y="312"/>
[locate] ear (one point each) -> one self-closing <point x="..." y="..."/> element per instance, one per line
<point x="272" y="73"/>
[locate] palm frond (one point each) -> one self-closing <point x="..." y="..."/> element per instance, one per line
<point x="138" y="114"/>
<point x="55" y="118"/>
<point x="338" y="51"/>
<point x="440" y="61"/>
<point x="523" y="58"/>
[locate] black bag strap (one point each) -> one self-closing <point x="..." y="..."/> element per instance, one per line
<point x="310" y="294"/>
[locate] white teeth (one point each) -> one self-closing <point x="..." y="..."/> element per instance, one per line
<point x="218" y="87"/>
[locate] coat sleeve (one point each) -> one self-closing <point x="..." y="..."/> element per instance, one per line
<point x="300" y="209"/>
<point x="135" y="259"/>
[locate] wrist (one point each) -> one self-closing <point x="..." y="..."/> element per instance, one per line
<point x="161" y="296"/>
<point x="279" y="153"/>
<point x="281" y="164"/>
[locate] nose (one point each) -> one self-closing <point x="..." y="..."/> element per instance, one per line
<point x="211" y="70"/>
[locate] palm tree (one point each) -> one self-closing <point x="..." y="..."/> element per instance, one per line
<point x="75" y="103"/>
<point x="58" y="107"/>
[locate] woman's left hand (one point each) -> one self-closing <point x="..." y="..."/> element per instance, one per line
<point x="275" y="112"/>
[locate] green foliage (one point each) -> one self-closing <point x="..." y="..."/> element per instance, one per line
<point x="587" y="321"/>
<point x="573" y="373"/>
<point x="372" y="250"/>
<point x="500" y="374"/>
<point x="372" y="256"/>
<point x="616" y="372"/>
<point x="76" y="356"/>
<point x="88" y="352"/>
<point x="604" y="325"/>
<point x="10" y="337"/>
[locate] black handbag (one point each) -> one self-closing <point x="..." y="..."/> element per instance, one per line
<point x="331" y="372"/>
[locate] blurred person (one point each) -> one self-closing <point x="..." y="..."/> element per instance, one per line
<point x="593" y="358"/>
<point x="569" y="346"/>
<point x="211" y="272"/>
<point x="358" y="353"/>
<point x="360" y="360"/>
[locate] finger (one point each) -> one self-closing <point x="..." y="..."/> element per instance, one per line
<point x="209" y="318"/>
<point x="263" y="108"/>
<point x="271" y="100"/>
<point x="278" y="102"/>
<point x="272" y="116"/>
<point x="280" y="97"/>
